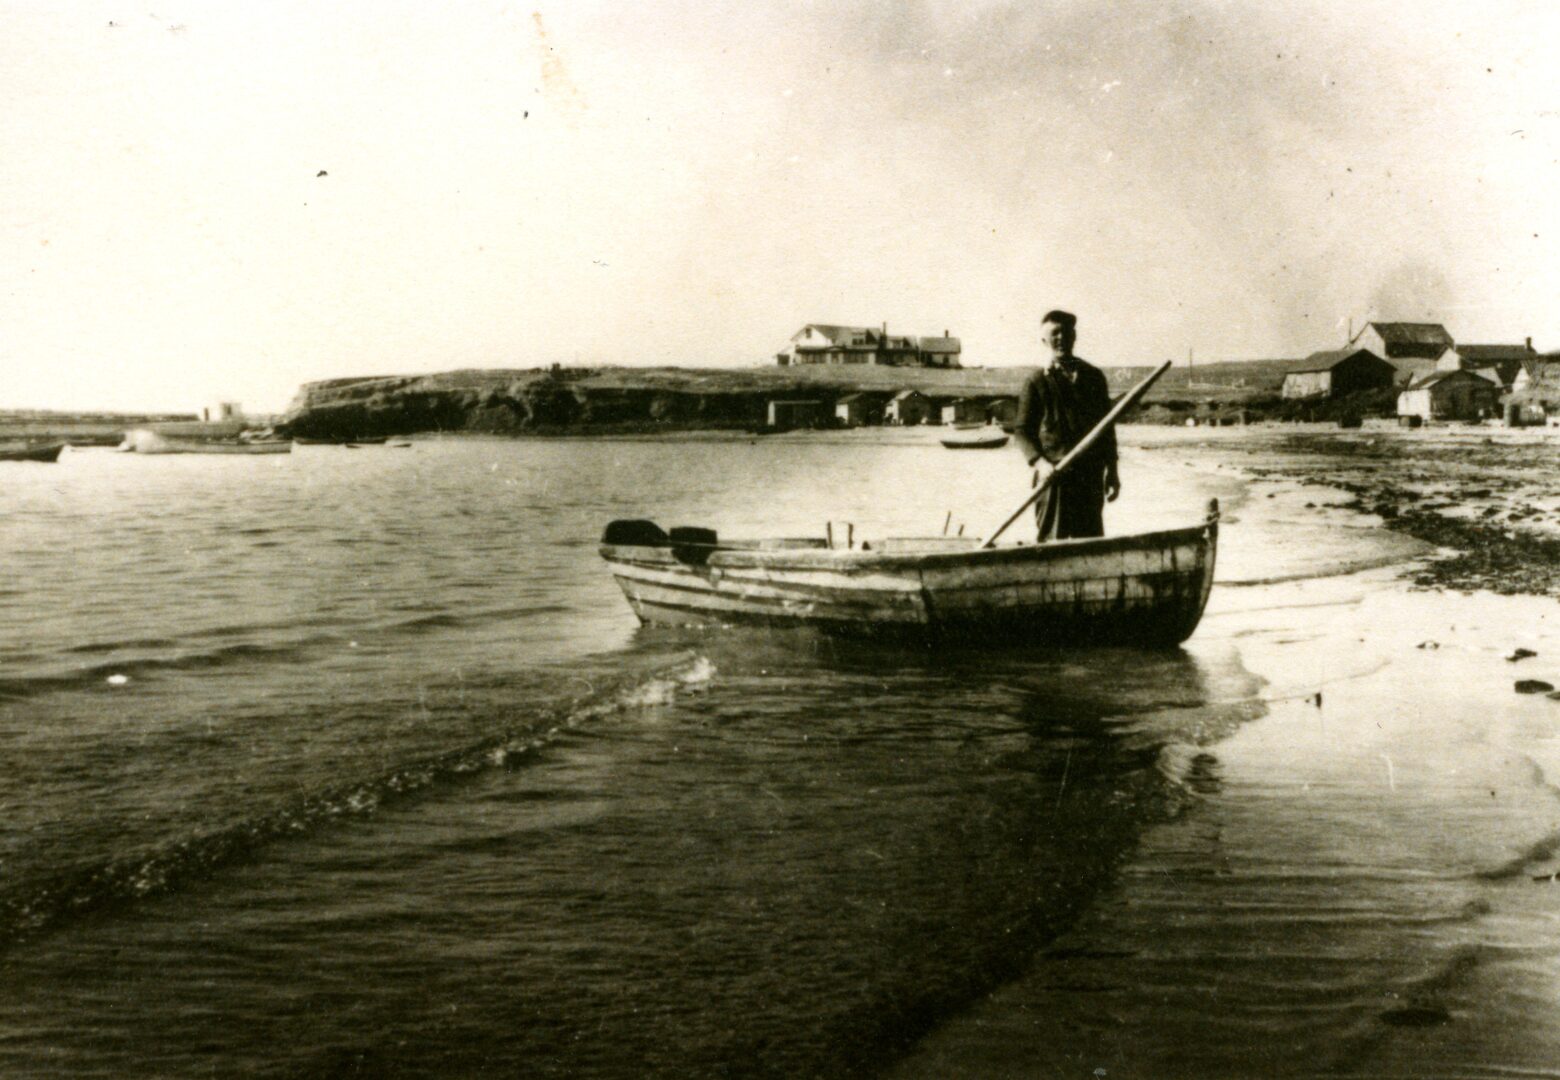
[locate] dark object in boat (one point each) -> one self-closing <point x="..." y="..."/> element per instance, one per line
<point x="692" y="544"/>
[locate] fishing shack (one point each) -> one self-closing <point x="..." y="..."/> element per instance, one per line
<point x="908" y="407"/>
<point x="854" y="410"/>
<point x="1338" y="372"/>
<point x="1450" y="395"/>
<point x="795" y="414"/>
<point x="963" y="411"/>
<point x="1535" y="393"/>
<point x="1501" y="364"/>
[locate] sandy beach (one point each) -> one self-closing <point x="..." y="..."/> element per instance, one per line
<point x="1361" y="880"/>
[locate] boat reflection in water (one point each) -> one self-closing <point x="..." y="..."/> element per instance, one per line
<point x="916" y="824"/>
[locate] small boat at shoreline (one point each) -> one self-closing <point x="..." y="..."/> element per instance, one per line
<point x="368" y="440"/>
<point x="150" y="442"/>
<point x="40" y="452"/>
<point x="991" y="441"/>
<point x="1141" y="589"/>
<point x="276" y="447"/>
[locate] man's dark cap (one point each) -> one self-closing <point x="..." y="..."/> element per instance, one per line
<point x="1061" y="318"/>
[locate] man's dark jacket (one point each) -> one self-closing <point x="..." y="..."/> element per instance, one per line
<point x="1057" y="407"/>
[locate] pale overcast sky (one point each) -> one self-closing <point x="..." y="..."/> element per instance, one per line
<point x="224" y="200"/>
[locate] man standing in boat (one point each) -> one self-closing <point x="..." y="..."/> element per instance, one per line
<point x="1058" y="406"/>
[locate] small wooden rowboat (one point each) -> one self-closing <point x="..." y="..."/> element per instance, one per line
<point x="988" y="441"/>
<point x="46" y="452"/>
<point x="1148" y="588"/>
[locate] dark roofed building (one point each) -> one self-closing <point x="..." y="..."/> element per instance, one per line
<point x="964" y="411"/>
<point x="822" y="343"/>
<point x="1450" y="395"/>
<point x="825" y="343"/>
<point x="1535" y="393"/>
<point x="908" y="407"/>
<point x="1404" y="340"/>
<point x="1337" y="372"/>
<point x="794" y="414"/>
<point x="1498" y="363"/>
<point x="899" y="351"/>
<point x="940" y="351"/>
<point x="859" y="408"/>
<point x="1002" y="409"/>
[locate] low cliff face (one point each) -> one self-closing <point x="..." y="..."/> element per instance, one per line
<point x="599" y="399"/>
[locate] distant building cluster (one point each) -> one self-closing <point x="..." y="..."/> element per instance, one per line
<point x="819" y="343"/>
<point x="1437" y="378"/>
<point x="1418" y="367"/>
<point x="908" y="408"/>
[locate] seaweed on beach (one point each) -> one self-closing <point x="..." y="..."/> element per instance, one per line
<point x="1409" y="483"/>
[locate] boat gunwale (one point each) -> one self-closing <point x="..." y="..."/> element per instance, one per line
<point x="732" y="555"/>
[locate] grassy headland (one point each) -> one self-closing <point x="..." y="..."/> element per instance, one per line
<point x="624" y="399"/>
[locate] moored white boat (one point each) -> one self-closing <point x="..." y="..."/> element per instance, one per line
<point x="142" y="441"/>
<point x="1146" y="588"/>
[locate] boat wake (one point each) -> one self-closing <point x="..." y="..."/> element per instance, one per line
<point x="131" y="660"/>
<point x="42" y="904"/>
<point x="120" y="672"/>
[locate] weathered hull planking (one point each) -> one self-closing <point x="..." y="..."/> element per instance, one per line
<point x="1148" y="588"/>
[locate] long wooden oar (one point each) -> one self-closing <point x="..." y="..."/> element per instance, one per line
<point x="1129" y="399"/>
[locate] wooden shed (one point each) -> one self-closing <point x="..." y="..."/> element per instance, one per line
<point x="1450" y="395"/>
<point x="963" y="411"/>
<point x="940" y="352"/>
<point x="1535" y="393"/>
<point x="1403" y="340"/>
<point x="1338" y="372"/>
<point x="908" y="407"/>
<point x="854" y="410"/>
<point x="1499" y="363"/>
<point x="795" y="414"/>
<point x="1002" y="410"/>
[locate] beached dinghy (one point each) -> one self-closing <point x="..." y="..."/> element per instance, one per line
<point x="1148" y="588"/>
<point x="986" y="440"/>
<point x="46" y="452"/>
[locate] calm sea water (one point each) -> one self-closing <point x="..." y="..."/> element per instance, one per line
<point x="356" y="763"/>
